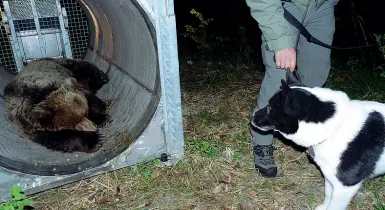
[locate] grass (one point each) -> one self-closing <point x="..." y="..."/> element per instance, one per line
<point x="217" y="171"/>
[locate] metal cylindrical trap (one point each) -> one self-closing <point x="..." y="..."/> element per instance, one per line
<point x="125" y="50"/>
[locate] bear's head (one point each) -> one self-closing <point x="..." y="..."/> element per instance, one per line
<point x="66" y="108"/>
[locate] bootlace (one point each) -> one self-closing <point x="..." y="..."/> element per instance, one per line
<point x="264" y="150"/>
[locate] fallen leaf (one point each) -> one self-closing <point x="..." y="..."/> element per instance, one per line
<point x="155" y="174"/>
<point x="228" y="179"/>
<point x="127" y="138"/>
<point x="217" y="189"/>
<point x="252" y="192"/>
<point x="148" y="205"/>
<point x="250" y="156"/>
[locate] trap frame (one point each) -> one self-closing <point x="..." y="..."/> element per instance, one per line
<point x="158" y="134"/>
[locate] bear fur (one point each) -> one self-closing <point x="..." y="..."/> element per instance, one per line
<point x="52" y="101"/>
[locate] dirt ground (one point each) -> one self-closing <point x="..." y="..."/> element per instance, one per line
<point x="217" y="171"/>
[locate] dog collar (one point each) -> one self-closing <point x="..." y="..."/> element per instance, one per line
<point x="310" y="152"/>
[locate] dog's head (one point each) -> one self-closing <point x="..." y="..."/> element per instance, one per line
<point x="284" y="110"/>
<point x="302" y="114"/>
<point x="291" y="105"/>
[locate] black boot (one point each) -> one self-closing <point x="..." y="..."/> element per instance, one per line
<point x="264" y="160"/>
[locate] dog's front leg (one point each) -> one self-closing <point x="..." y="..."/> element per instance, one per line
<point x="328" y="196"/>
<point x="342" y="196"/>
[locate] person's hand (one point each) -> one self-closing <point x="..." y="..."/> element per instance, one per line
<point x="286" y="58"/>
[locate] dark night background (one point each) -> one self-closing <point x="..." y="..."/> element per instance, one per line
<point x="228" y="15"/>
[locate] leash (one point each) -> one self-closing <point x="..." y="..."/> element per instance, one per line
<point x="293" y="21"/>
<point x="301" y="28"/>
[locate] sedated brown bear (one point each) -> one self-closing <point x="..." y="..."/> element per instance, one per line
<point x="52" y="101"/>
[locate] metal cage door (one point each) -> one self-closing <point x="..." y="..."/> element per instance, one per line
<point x="38" y="29"/>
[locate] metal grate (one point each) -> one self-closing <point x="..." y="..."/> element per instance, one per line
<point x="21" y="9"/>
<point x="46" y="8"/>
<point x="6" y="58"/>
<point x="6" y="55"/>
<point x="77" y="28"/>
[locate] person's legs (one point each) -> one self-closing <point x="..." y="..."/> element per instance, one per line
<point x="313" y="63"/>
<point x="262" y="142"/>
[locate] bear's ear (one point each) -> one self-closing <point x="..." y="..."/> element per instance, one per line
<point x="42" y="115"/>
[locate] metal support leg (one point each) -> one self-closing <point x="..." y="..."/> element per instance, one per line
<point x="169" y="72"/>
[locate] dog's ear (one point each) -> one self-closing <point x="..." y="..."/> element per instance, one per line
<point x="284" y="86"/>
<point x="292" y="79"/>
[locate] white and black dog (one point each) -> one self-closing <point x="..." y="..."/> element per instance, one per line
<point x="345" y="137"/>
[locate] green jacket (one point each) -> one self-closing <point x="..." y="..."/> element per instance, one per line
<point x="274" y="27"/>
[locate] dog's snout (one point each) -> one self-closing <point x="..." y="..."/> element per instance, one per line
<point x="260" y="119"/>
<point x="257" y="119"/>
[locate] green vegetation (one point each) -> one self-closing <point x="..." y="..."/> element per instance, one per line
<point x="17" y="202"/>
